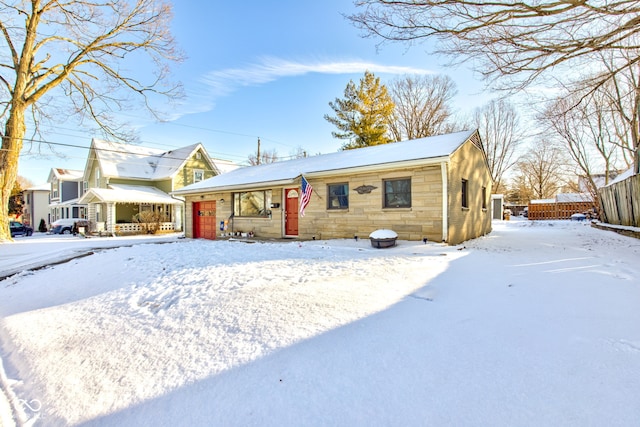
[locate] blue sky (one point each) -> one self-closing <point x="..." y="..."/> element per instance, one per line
<point x="261" y="69"/>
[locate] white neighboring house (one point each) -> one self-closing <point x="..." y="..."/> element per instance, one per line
<point x="66" y="188"/>
<point x="36" y="205"/>
<point x="123" y="180"/>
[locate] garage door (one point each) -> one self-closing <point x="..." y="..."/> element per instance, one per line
<point x="204" y="220"/>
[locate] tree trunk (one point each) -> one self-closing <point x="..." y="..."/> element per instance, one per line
<point x="11" y="146"/>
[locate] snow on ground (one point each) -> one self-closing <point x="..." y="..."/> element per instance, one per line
<point x="534" y="324"/>
<point x="42" y="248"/>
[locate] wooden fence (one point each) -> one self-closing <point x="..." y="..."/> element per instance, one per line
<point x="620" y="202"/>
<point x="557" y="210"/>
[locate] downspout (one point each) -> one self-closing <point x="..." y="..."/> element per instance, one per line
<point x="445" y="202"/>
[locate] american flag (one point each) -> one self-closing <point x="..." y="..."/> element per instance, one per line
<point x="307" y="189"/>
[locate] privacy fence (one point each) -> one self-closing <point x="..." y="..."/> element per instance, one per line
<point x="620" y="202"/>
<point x="557" y="210"/>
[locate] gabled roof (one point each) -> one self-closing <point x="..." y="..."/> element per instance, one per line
<point x="432" y="149"/>
<point x="65" y="175"/>
<point x="128" y="161"/>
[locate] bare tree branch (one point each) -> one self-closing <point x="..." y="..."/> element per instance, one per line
<point x="422" y="106"/>
<point x="521" y="40"/>
<point x="88" y="51"/>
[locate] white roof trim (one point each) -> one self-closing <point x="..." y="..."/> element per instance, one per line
<point x="424" y="151"/>
<point x="128" y="194"/>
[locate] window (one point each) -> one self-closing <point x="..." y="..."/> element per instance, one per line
<point x="465" y="195"/>
<point x="338" y="196"/>
<point x="85" y="186"/>
<point x="252" y="204"/>
<point x="484" y="197"/>
<point x="397" y="193"/>
<point x="54" y="189"/>
<point x="198" y="175"/>
<point x="97" y="178"/>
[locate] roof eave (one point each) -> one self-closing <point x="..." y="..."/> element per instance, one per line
<point x="380" y="166"/>
<point x="317" y="174"/>
<point x="246" y="186"/>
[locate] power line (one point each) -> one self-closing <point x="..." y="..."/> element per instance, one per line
<point x="116" y="151"/>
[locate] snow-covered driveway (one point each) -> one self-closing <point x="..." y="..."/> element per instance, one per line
<point x="535" y="324"/>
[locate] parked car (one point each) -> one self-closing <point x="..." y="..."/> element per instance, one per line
<point x="65" y="226"/>
<point x="19" y="229"/>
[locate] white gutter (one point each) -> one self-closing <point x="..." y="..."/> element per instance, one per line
<point x="377" y="167"/>
<point x="234" y="187"/>
<point x="445" y="202"/>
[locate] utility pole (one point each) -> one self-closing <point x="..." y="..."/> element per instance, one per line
<point x="258" y="156"/>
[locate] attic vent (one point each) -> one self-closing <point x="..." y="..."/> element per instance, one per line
<point x="198" y="155"/>
<point x="475" y="139"/>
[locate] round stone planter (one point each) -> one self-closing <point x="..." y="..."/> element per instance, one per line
<point x="383" y="238"/>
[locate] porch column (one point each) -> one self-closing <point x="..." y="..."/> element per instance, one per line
<point x="111" y="218"/>
<point x="177" y="218"/>
<point x="91" y="216"/>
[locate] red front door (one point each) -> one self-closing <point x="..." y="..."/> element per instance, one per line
<point x="204" y="220"/>
<point x="291" y="212"/>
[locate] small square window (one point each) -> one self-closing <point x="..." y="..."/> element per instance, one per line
<point x="338" y="196"/>
<point x="397" y="193"/>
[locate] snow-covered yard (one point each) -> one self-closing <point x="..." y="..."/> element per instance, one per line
<point x="535" y="324"/>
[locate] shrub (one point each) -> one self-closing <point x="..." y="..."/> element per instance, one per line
<point x="149" y="221"/>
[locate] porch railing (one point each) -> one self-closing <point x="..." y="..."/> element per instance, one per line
<point x="133" y="228"/>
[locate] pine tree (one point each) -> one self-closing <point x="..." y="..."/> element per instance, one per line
<point x="364" y="114"/>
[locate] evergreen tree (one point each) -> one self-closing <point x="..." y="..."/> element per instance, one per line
<point x="364" y="114"/>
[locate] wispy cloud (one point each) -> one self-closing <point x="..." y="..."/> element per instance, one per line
<point x="268" y="69"/>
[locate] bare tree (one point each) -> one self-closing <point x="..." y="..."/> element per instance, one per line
<point x="499" y="127"/>
<point x="298" y="153"/>
<point x="76" y="52"/>
<point x="423" y="106"/>
<point x="266" y="156"/>
<point x="542" y="170"/>
<point x="520" y="39"/>
<point x="623" y="93"/>
<point x="588" y="132"/>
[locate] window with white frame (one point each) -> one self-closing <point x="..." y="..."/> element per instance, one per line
<point x="198" y="175"/>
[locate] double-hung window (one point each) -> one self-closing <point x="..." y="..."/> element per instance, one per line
<point x="338" y="196"/>
<point x="397" y="193"/>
